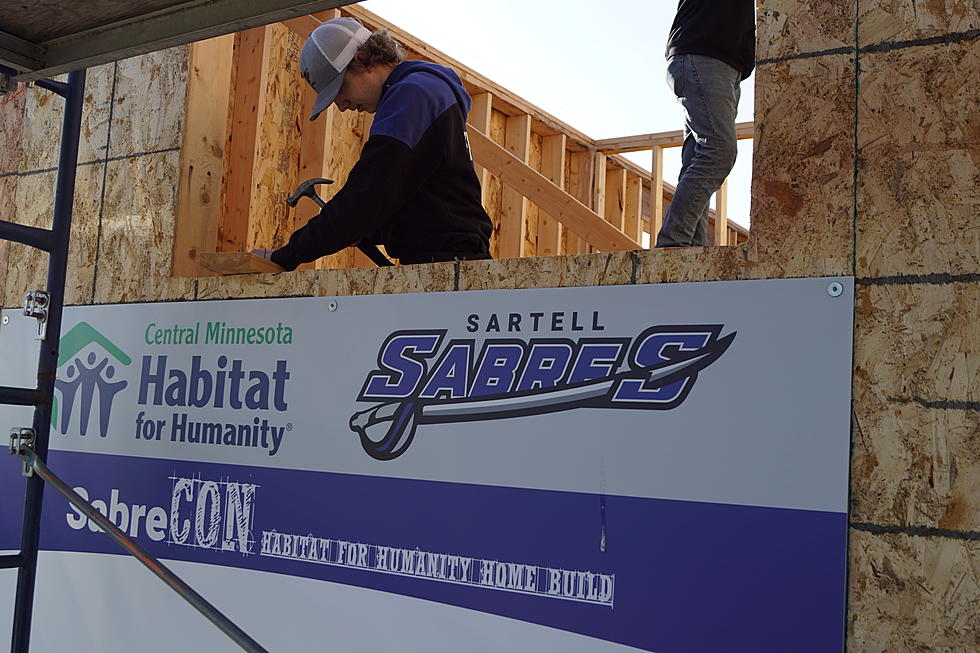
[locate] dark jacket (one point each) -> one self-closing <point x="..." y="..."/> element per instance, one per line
<point x="413" y="189"/>
<point x="723" y="29"/>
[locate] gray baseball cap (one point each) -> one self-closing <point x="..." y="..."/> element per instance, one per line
<point x="328" y="51"/>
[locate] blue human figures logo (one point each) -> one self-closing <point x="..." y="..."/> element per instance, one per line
<point x="85" y="380"/>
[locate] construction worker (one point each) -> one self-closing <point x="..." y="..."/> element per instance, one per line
<point x="413" y="189"/>
<point x="710" y="50"/>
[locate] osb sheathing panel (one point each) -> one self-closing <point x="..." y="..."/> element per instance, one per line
<point x="437" y="277"/>
<point x="240" y="286"/>
<point x="44" y="112"/>
<point x="903" y="20"/>
<point x="27" y="268"/>
<point x="912" y="594"/>
<point x="11" y="124"/>
<point x="918" y="342"/>
<point x="792" y="27"/>
<point x="919" y="180"/>
<point x="802" y="188"/>
<point x="613" y="268"/>
<point x="148" y="106"/>
<point x="694" y="264"/>
<point x="278" y="141"/>
<point x="915" y="466"/>
<point x="138" y="232"/>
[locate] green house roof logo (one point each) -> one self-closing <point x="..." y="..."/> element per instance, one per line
<point x="80" y="381"/>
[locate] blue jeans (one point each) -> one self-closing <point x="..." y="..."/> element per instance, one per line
<point x="708" y="89"/>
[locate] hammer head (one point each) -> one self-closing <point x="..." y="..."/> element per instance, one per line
<point x="307" y="189"/>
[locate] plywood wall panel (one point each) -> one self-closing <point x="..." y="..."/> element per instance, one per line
<point x="33" y="204"/>
<point x="11" y="126"/>
<point x="903" y="20"/>
<point x="613" y="268"/>
<point x="138" y="231"/>
<point x="802" y="189"/>
<point x="43" y="115"/>
<point x="912" y="594"/>
<point x="241" y="286"/>
<point x="694" y="264"/>
<point x="435" y="277"/>
<point x="914" y="465"/>
<point x="26" y="266"/>
<point x="792" y="27"/>
<point x="276" y="162"/>
<point x="149" y="103"/>
<point x="8" y="208"/>
<point x="918" y="342"/>
<point x="919" y="181"/>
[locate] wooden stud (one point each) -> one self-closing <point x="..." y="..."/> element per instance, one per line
<point x="549" y="197"/>
<point x="580" y="187"/>
<point x="480" y="115"/>
<point x="632" y="214"/>
<point x="513" y="210"/>
<point x="552" y="167"/>
<point x="615" y="202"/>
<point x="721" y="215"/>
<point x="202" y="153"/>
<point x="246" y="90"/>
<point x="278" y="141"/>
<point x="656" y="194"/>
<point x="598" y="202"/>
<point x="236" y="263"/>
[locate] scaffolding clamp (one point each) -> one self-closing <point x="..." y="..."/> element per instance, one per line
<point x="36" y="303"/>
<point x="21" y="441"/>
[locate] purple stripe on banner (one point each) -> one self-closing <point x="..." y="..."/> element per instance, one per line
<point x="675" y="576"/>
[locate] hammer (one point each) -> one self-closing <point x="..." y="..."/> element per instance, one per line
<point x="307" y="189"/>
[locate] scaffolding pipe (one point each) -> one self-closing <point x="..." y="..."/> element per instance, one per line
<point x="47" y="366"/>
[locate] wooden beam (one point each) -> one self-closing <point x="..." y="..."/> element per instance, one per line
<point x="598" y="203"/>
<point x="202" y="153"/>
<point x="721" y="215"/>
<point x="236" y="263"/>
<point x="549" y="197"/>
<point x="656" y="194"/>
<point x="615" y="204"/>
<point x="552" y="167"/>
<point x="513" y="204"/>
<point x="246" y="89"/>
<point x="619" y="145"/>
<point x="580" y="187"/>
<point x="480" y="114"/>
<point x="277" y="141"/>
<point x="632" y="214"/>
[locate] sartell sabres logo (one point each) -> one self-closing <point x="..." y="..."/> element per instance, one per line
<point x="421" y="381"/>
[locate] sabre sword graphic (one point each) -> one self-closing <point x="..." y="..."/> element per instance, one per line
<point x="398" y="420"/>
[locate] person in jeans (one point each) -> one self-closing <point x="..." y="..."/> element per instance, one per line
<point x="710" y="50"/>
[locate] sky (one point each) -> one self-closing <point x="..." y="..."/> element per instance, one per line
<point x="598" y="67"/>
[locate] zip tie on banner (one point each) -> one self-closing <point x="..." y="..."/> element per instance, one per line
<point x="14" y="94"/>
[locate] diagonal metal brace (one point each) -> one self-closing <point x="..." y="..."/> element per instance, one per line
<point x="25" y="450"/>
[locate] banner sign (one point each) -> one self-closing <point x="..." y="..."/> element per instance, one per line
<point x="658" y="468"/>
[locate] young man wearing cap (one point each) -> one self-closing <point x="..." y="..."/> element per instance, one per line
<point x="413" y="189"/>
<point x="710" y="50"/>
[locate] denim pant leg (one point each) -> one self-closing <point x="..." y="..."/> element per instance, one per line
<point x="708" y="90"/>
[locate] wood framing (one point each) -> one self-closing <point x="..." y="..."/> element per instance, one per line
<point x="553" y="168"/>
<point x="513" y="207"/>
<point x="552" y="199"/>
<point x="202" y="154"/>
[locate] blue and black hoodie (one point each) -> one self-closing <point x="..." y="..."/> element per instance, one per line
<point x="414" y="189"/>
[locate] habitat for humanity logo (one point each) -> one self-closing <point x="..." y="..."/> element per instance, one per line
<point x="79" y="382"/>
<point x="655" y="370"/>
